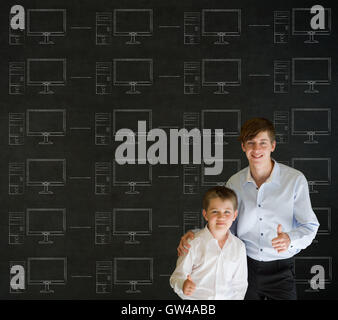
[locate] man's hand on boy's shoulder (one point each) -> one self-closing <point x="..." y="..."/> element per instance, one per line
<point x="183" y="247"/>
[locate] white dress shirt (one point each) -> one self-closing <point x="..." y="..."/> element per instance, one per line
<point x="282" y="199"/>
<point x="219" y="274"/>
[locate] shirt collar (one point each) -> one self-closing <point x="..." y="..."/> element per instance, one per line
<point x="207" y="235"/>
<point x="274" y="176"/>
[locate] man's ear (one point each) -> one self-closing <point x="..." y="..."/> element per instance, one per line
<point x="243" y="148"/>
<point x="273" y="146"/>
<point x="205" y="215"/>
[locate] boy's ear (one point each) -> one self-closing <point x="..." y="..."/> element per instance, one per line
<point x="205" y="215"/>
<point x="235" y="215"/>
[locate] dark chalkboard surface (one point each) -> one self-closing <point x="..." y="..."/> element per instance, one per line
<point x="85" y="227"/>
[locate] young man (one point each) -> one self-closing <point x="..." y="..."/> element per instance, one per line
<point x="216" y="266"/>
<point x="275" y="219"/>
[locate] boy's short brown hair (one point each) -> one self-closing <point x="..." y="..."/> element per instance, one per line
<point x="221" y="192"/>
<point x="254" y="126"/>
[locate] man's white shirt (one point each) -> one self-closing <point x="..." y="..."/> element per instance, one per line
<point x="219" y="274"/>
<point x="282" y="199"/>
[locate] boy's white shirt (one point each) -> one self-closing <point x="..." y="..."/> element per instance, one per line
<point x="219" y="274"/>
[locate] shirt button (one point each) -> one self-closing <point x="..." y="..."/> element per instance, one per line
<point x="260" y="219"/>
<point x="261" y="249"/>
<point x="261" y="234"/>
<point x="259" y="205"/>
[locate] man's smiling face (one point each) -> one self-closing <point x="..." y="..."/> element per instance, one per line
<point x="259" y="148"/>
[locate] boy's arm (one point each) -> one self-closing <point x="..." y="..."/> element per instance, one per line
<point x="240" y="279"/>
<point x="183" y="268"/>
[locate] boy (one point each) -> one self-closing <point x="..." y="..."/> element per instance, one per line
<point x="276" y="219"/>
<point x="215" y="266"/>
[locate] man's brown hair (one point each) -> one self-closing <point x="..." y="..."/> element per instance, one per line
<point x="254" y="126"/>
<point x="221" y="192"/>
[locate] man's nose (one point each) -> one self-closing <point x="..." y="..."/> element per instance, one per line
<point x="256" y="146"/>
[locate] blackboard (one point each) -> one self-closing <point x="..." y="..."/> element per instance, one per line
<point x="83" y="69"/>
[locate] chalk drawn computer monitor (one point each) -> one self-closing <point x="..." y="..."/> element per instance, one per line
<point x="46" y="23"/>
<point x="132" y="222"/>
<point x="316" y="170"/>
<point x="311" y="122"/>
<point x="228" y="120"/>
<point x="132" y="175"/>
<point x="221" y="23"/>
<point x="230" y="167"/>
<point x="132" y="73"/>
<point x="129" y="118"/>
<point x="45" y="222"/>
<point x="46" y="73"/>
<point x="133" y="272"/>
<point x="311" y="72"/>
<point x="46" y="272"/>
<point x="46" y="173"/>
<point x="301" y="24"/>
<point x="306" y="267"/>
<point x="133" y="23"/>
<point x="221" y="73"/>
<point x="46" y="123"/>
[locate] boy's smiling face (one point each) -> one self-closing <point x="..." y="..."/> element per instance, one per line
<point x="220" y="214"/>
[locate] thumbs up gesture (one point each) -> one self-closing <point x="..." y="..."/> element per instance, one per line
<point x="282" y="241"/>
<point x="189" y="286"/>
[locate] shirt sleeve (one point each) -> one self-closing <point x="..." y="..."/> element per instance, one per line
<point x="304" y="219"/>
<point x="240" y="279"/>
<point x="233" y="227"/>
<point x="183" y="268"/>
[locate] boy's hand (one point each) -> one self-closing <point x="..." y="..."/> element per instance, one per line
<point x="184" y="246"/>
<point x="189" y="286"/>
<point x="282" y="242"/>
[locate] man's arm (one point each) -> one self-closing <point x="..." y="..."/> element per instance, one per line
<point x="305" y="220"/>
